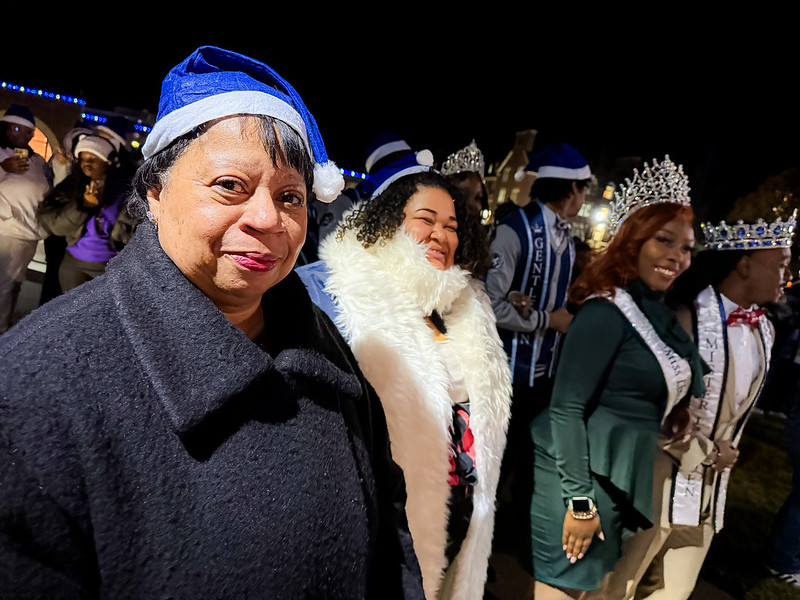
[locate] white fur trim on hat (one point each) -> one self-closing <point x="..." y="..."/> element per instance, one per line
<point x="408" y="171"/>
<point x="386" y="150"/>
<point x="18" y="121"/>
<point x="182" y="120"/>
<point x="94" y="144"/>
<point x="552" y="172"/>
<point x="328" y="180"/>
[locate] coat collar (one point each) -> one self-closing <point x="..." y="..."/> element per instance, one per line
<point x="194" y="357"/>
<point x="397" y="266"/>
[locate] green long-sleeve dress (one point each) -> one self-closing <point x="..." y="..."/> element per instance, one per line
<point x="596" y="439"/>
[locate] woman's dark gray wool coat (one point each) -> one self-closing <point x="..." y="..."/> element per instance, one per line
<point x="148" y="449"/>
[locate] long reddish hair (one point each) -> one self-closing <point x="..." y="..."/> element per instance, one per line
<point x="619" y="263"/>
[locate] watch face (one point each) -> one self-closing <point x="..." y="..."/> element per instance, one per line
<point x="580" y="505"/>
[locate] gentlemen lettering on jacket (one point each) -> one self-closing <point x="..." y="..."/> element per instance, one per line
<point x="538" y="263"/>
<point x="544" y="275"/>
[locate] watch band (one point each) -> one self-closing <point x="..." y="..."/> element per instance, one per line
<point x="584" y="515"/>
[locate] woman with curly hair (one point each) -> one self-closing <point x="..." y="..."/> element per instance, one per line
<point x="625" y="364"/>
<point x="423" y="332"/>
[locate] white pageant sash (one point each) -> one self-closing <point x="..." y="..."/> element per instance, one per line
<point x="712" y="342"/>
<point x="677" y="372"/>
<point x="721" y="491"/>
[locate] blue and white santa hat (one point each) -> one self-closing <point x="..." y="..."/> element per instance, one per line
<point x="416" y="162"/>
<point x="213" y="83"/>
<point x="559" y="161"/>
<point x="387" y="143"/>
<point x="19" y="115"/>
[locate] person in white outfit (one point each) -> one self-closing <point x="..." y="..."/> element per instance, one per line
<point x="25" y="178"/>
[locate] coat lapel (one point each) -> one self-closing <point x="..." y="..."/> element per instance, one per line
<point x="200" y="360"/>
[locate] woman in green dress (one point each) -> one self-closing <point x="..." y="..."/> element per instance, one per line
<point x="625" y="364"/>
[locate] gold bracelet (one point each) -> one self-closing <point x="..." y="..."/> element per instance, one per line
<point x="583" y="516"/>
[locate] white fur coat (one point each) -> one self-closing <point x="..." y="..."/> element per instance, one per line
<point x="383" y="295"/>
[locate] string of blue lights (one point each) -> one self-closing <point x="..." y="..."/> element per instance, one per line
<point x="95" y="118"/>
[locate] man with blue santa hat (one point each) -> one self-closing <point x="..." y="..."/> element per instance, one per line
<point x="532" y="259"/>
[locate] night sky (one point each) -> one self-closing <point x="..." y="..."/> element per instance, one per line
<point x="717" y="96"/>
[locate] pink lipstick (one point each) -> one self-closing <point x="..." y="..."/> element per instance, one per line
<point x="255" y="261"/>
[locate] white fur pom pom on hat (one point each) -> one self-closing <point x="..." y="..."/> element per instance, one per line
<point x="328" y="182"/>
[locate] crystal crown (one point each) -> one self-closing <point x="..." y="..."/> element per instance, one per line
<point x="469" y="158"/>
<point x="749" y="236"/>
<point x="661" y="182"/>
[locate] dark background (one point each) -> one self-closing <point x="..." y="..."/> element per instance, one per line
<point x="717" y="92"/>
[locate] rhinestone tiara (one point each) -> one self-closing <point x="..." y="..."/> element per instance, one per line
<point x="661" y="182"/>
<point x="750" y="236"/>
<point x="469" y="158"/>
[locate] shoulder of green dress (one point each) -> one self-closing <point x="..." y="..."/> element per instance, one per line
<point x="601" y="317"/>
<point x="599" y="305"/>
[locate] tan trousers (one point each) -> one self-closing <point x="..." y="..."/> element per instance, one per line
<point x="660" y="563"/>
<point x="15" y="254"/>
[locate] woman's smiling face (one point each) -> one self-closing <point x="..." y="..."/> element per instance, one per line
<point x="231" y="220"/>
<point x="667" y="254"/>
<point x="430" y="218"/>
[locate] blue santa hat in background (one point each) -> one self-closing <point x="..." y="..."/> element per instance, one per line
<point x="559" y="161"/>
<point x="213" y="83"/>
<point x="415" y="162"/>
<point x="19" y="115"/>
<point x="388" y="143"/>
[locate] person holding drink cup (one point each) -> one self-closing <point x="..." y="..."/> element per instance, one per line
<point x="87" y="209"/>
<point x="25" y="178"/>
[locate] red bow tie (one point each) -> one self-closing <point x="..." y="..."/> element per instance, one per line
<point x="749" y="317"/>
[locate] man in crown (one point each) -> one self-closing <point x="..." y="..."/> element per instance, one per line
<point x="532" y="259"/>
<point x="719" y="301"/>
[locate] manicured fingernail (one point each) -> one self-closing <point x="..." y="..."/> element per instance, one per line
<point x="573" y="560"/>
<point x="580" y="555"/>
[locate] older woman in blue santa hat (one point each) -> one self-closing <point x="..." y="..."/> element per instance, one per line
<point x="189" y="424"/>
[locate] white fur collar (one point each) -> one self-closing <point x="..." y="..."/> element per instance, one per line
<point x="400" y="264"/>
<point x="383" y="294"/>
